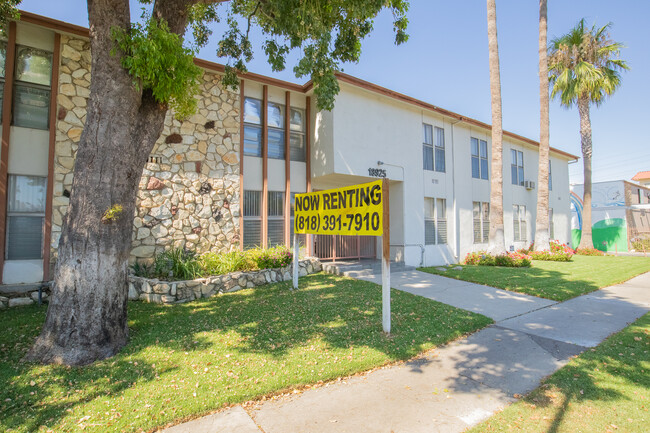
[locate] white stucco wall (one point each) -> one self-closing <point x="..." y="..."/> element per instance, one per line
<point x="366" y="127"/>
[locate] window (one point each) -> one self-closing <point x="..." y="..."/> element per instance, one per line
<point x="481" y="221"/>
<point x="25" y="217"/>
<point x="275" y="223"/>
<point x="32" y="88"/>
<point x="429" y="221"/>
<point x="440" y="150"/>
<point x="550" y="177"/>
<point x="517" y="167"/>
<point x="252" y="127"/>
<point x="252" y="219"/>
<point x="435" y="221"/>
<point x="479" y="159"/>
<point x="276" y="130"/>
<point x="519" y="222"/>
<point x="297" y="134"/>
<point x="551" y="225"/>
<point x="427" y="147"/>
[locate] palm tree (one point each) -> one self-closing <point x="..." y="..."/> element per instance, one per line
<point x="541" y="220"/>
<point x="496" y="242"/>
<point x="584" y="68"/>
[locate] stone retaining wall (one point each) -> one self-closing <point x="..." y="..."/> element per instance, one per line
<point x="169" y="292"/>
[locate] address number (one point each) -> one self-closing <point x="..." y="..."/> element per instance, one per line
<point x="376" y="172"/>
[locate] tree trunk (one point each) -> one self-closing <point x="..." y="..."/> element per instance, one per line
<point x="542" y="234"/>
<point x="586" y="240"/>
<point x="87" y="315"/>
<point x="496" y="243"/>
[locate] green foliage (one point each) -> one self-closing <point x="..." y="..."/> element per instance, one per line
<point x="8" y="12"/>
<point x="585" y="63"/>
<point x="641" y="244"/>
<point x="589" y="251"/>
<point x="224" y="263"/>
<point x="176" y="264"/>
<point x="327" y="32"/>
<point x="112" y="214"/>
<point x="275" y="257"/>
<point x="605" y="389"/>
<point x="558" y="281"/>
<point x="559" y="252"/>
<point x="186" y="360"/>
<point x="180" y="264"/>
<point x="157" y="60"/>
<point x="510" y="260"/>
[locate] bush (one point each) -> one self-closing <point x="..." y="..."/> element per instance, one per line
<point x="180" y="264"/>
<point x="559" y="253"/>
<point x="510" y="260"/>
<point x="589" y="252"/>
<point x="641" y="244"/>
<point x="275" y="257"/>
<point x="177" y="264"/>
<point x="218" y="264"/>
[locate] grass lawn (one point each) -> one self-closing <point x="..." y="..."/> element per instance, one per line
<point x="558" y="281"/>
<point x="606" y="389"/>
<point x="189" y="359"/>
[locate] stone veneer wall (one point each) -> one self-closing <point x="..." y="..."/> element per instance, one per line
<point x="168" y="292"/>
<point x="189" y="191"/>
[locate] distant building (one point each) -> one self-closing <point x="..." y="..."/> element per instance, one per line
<point x="620" y="213"/>
<point x="643" y="177"/>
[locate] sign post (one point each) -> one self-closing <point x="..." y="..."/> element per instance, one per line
<point x="353" y="210"/>
<point x="385" y="260"/>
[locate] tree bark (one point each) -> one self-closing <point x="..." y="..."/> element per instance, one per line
<point x="496" y="242"/>
<point x="87" y="314"/>
<point x="542" y="234"/>
<point x="586" y="240"/>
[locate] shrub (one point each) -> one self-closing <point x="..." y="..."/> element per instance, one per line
<point x="275" y="257"/>
<point x="641" y="244"/>
<point x="589" y="252"/>
<point x="559" y="253"/>
<point x="511" y="260"/>
<point x="177" y="264"/>
<point x="218" y="264"/>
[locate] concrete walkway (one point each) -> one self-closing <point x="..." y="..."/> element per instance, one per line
<point x="458" y="385"/>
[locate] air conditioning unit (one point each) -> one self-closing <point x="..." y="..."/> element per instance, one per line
<point x="529" y="184"/>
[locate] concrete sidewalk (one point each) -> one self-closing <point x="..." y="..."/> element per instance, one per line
<point x="458" y="385"/>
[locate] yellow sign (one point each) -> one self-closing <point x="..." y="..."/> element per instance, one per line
<point x="352" y="210"/>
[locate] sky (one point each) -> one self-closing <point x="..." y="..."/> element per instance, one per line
<point x="445" y="63"/>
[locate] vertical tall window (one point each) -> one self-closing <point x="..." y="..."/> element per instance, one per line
<point x="252" y="213"/>
<point x="550" y="177"/>
<point x="252" y="127"/>
<point x="25" y="216"/>
<point x="551" y="225"/>
<point x="3" y="55"/>
<point x="429" y="221"/>
<point x="275" y="130"/>
<point x="427" y="147"/>
<point x="519" y="225"/>
<point x="479" y="159"/>
<point x="297" y="134"/>
<point x="481" y="213"/>
<point x="441" y="220"/>
<point x="517" y="167"/>
<point x="440" y="150"/>
<point x="32" y="88"/>
<point x="275" y="223"/>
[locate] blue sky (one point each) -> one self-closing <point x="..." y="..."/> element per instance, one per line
<point x="445" y="62"/>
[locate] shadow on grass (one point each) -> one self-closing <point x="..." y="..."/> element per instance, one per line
<point x="535" y="281"/>
<point x="329" y="314"/>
